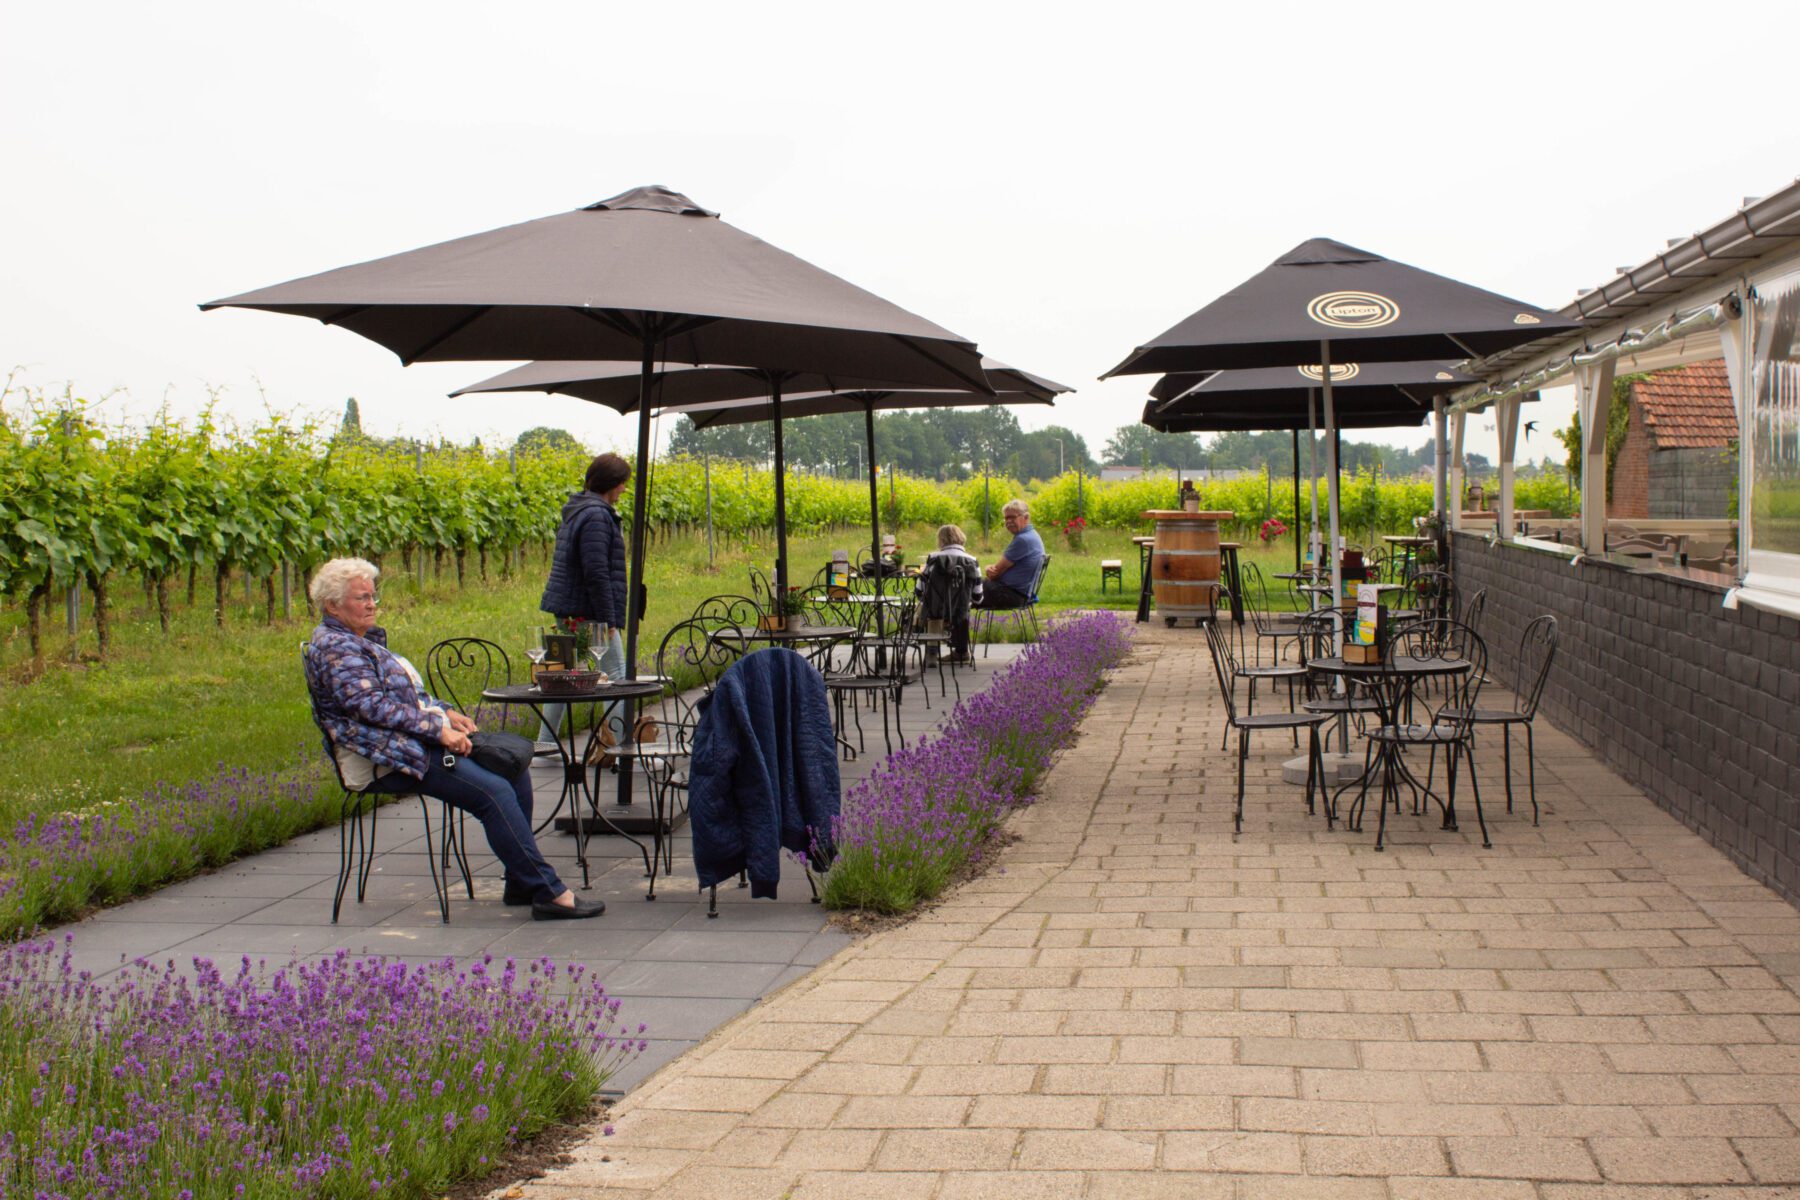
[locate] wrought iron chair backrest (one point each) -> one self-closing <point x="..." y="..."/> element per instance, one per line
<point x="1537" y="650"/>
<point x="1037" y="578"/>
<point x="718" y="611"/>
<point x="1435" y="593"/>
<point x="314" y="688"/>
<point x="1452" y="701"/>
<point x="887" y="657"/>
<point x="1316" y="634"/>
<point x="460" y="669"/>
<point x="1473" y="610"/>
<point x="762" y="588"/>
<point x="1225" y="665"/>
<point x="691" y="659"/>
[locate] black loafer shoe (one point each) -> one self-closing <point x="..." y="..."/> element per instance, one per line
<point x="549" y="910"/>
<point x="515" y="896"/>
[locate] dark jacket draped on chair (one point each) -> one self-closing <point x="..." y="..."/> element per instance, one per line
<point x="764" y="774"/>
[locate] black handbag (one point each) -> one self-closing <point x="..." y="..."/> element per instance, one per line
<point x="505" y="754"/>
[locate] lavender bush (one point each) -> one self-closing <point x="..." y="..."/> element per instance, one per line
<point x="346" y="1077"/>
<point x="909" y="826"/>
<point x="54" y="866"/>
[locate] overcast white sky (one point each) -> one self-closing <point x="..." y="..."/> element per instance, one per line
<point x="1058" y="184"/>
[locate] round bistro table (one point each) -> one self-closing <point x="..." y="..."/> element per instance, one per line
<point x="575" y="786"/>
<point x="1399" y="675"/>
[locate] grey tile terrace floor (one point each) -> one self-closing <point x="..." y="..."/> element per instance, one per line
<point x="1136" y="1004"/>
<point x="677" y="971"/>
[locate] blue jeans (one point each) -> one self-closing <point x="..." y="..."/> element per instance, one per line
<point x="612" y="661"/>
<point x="502" y="807"/>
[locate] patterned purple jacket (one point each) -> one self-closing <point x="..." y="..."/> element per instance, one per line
<point x="365" y="699"/>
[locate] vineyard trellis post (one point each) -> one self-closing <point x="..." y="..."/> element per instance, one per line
<point x="419" y="468"/>
<point x="986" y="500"/>
<point x="706" y="464"/>
<point x="71" y="599"/>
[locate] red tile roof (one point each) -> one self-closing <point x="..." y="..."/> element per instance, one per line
<point x="1688" y="406"/>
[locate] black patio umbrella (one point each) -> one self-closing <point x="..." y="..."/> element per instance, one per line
<point x="1324" y="294"/>
<point x="1385" y="384"/>
<point x="1030" y="389"/>
<point x="713" y="395"/>
<point x="647" y="275"/>
<point x="1369" y="396"/>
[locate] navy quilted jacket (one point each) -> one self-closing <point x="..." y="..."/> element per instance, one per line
<point x="366" y="701"/>
<point x="764" y="772"/>
<point x="587" y="570"/>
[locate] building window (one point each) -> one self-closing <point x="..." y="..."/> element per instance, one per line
<point x="1775" y="433"/>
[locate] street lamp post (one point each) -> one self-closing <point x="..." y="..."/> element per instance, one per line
<point x="1059" y="455"/>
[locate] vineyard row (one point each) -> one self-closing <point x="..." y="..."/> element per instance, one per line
<point x="79" y="503"/>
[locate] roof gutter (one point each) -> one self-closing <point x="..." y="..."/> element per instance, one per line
<point x="1685" y="257"/>
<point x="1632" y="341"/>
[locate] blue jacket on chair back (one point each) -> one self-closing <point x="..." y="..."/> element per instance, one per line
<point x="764" y="772"/>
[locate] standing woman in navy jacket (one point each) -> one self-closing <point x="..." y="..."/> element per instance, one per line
<point x="587" y="571"/>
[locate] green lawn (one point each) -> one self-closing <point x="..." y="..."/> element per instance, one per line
<point x="174" y="709"/>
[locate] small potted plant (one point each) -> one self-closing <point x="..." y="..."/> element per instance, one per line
<point x="1073" y="530"/>
<point x="793" y="609"/>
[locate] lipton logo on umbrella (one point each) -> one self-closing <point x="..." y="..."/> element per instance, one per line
<point x="1443" y="375"/>
<point x="1339" y="371"/>
<point x="1526" y="319"/>
<point x="1353" y="310"/>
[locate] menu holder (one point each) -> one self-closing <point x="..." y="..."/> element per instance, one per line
<point x="1369" y="633"/>
<point x="560" y="648"/>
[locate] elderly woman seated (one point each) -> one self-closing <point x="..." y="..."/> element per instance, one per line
<point x="384" y="728"/>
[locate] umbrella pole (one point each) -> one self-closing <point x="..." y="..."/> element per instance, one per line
<point x="781" y="566"/>
<point x="637" y="598"/>
<point x="640" y="494"/>
<point x="874" y="498"/>
<point x="1312" y="475"/>
<point x="1296" y="500"/>
<point x="1331" y="469"/>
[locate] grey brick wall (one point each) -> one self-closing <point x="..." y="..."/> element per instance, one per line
<point x="1692" y="482"/>
<point x="1697" y="706"/>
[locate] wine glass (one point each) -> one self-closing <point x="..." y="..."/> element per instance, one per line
<point x="536" y="653"/>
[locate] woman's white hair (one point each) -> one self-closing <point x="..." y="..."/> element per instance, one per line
<point x="331" y="582"/>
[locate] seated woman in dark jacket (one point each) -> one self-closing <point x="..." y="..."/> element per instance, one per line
<point x="390" y="736"/>
<point x="949" y="585"/>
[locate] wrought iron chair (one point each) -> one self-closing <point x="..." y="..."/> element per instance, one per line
<point x="357" y="848"/>
<point x="981" y="619"/>
<point x="1537" y="650"/>
<point x="1448" y="726"/>
<point x="1317" y="637"/>
<point x="689" y="659"/>
<point x="1249" y="664"/>
<point x="1227" y="670"/>
<point x="1276" y="628"/>
<point x="461" y="669"/>
<point x="878" y="671"/>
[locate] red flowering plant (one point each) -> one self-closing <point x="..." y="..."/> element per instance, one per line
<point x="1272" y="529"/>
<point x="1073" y="529"/>
<point x="583" y="631"/>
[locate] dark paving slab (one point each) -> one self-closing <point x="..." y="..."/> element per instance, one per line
<point x="679" y="972"/>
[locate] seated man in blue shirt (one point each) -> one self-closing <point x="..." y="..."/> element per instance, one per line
<point x="1009" y="579"/>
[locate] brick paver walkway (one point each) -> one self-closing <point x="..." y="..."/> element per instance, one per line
<point x="1137" y="1005"/>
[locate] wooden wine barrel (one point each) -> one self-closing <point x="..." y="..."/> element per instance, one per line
<point x="1184" y="566"/>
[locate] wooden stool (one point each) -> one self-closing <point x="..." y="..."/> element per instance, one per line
<point x="1113" y="569"/>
